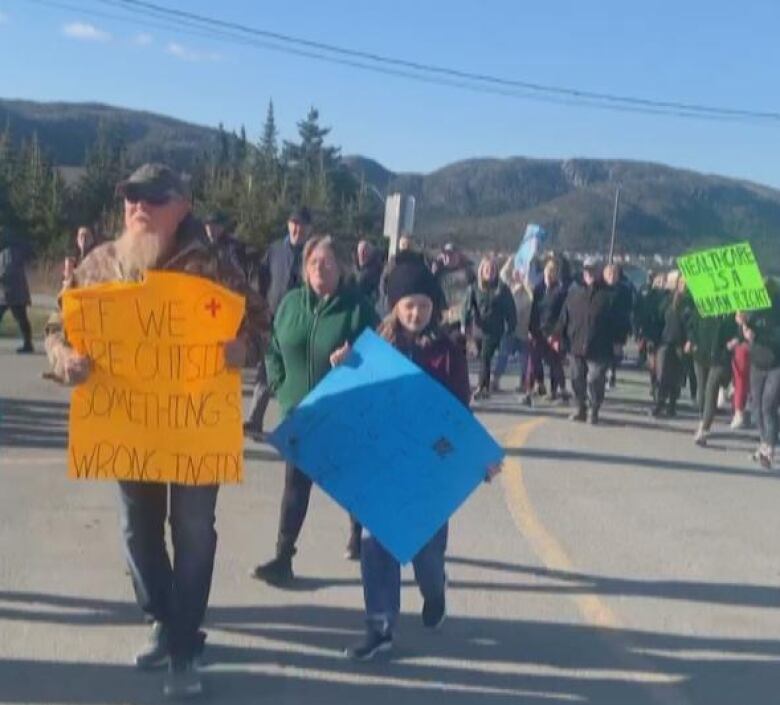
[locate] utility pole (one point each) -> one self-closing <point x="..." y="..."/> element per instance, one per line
<point x="614" y="226"/>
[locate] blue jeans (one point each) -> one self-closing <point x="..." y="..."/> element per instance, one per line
<point x="382" y="578"/>
<point x="175" y="595"/>
<point x="511" y="344"/>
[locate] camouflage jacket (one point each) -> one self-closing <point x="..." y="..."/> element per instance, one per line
<point x="193" y="255"/>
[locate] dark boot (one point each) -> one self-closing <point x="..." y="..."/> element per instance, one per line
<point x="278" y="571"/>
<point x="155" y="654"/>
<point x="580" y="415"/>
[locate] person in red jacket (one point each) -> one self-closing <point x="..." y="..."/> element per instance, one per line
<point x="412" y="327"/>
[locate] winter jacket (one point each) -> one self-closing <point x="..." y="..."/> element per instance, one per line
<point x="588" y="321"/>
<point x="306" y="331"/>
<point x="280" y="271"/>
<point x="546" y="309"/>
<point x="14" y="290"/>
<point x="492" y="310"/>
<point x="675" y="314"/>
<point x="445" y="361"/>
<point x="765" y="348"/>
<point x="710" y="336"/>
<point x="624" y="306"/>
<point x="649" y="314"/>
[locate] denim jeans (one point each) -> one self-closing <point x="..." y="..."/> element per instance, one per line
<point x="765" y="390"/>
<point x="382" y="578"/>
<point x="589" y="377"/>
<point x="511" y="344"/>
<point x="176" y="595"/>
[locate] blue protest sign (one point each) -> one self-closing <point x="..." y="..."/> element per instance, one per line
<point x="390" y="444"/>
<point x="534" y="237"/>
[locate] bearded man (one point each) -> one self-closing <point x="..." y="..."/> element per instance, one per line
<point x="161" y="233"/>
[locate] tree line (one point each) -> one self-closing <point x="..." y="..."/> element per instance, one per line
<point x="254" y="184"/>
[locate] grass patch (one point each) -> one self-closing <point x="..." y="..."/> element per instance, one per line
<point x="38" y="317"/>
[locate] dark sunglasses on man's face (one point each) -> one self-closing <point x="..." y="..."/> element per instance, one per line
<point x="153" y="199"/>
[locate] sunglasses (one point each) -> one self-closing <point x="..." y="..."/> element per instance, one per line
<point x="153" y="199"/>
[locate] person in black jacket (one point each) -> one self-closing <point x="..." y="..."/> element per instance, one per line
<point x="280" y="272"/>
<point x="549" y="296"/>
<point x="14" y="290"/>
<point x="761" y="329"/>
<point x="588" y="325"/>
<point x="624" y="307"/>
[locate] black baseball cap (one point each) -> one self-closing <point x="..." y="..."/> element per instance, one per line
<point x="300" y="215"/>
<point x="154" y="181"/>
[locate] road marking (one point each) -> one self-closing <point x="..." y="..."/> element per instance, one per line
<point x="551" y="553"/>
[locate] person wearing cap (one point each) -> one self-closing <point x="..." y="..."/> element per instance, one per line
<point x="218" y="225"/>
<point x="161" y="233"/>
<point x="313" y="322"/>
<point x="279" y="273"/>
<point x="412" y="327"/>
<point x="588" y="323"/>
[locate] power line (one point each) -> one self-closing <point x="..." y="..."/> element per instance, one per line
<point x="446" y="71"/>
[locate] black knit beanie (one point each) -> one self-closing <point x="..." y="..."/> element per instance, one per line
<point x="410" y="276"/>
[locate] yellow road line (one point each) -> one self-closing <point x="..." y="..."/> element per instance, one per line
<point x="551" y="553"/>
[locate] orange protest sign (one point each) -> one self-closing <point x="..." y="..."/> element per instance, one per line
<point x="159" y="404"/>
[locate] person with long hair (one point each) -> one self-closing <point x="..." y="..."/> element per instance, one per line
<point x="413" y="327"/>
<point x="490" y="309"/>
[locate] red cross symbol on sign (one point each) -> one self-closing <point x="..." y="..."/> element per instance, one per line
<point x="213" y="306"/>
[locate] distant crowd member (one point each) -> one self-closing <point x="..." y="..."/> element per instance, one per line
<point x="14" y="290"/>
<point x="314" y="326"/>
<point x="711" y="341"/>
<point x="369" y="264"/>
<point x="280" y="272"/>
<point x="674" y="312"/>
<point x="489" y="312"/>
<point x="588" y="323"/>
<point x="86" y="241"/>
<point x="548" y="299"/>
<point x="411" y="327"/>
<point x="624" y="295"/>
<point x="160" y="233"/>
<point x="761" y="329"/>
<point x="454" y="274"/>
<point x="740" y="375"/>
<point x="228" y="247"/>
<point x="516" y="342"/>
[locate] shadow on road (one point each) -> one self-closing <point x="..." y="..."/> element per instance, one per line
<point x="33" y="423"/>
<point x="473" y="660"/>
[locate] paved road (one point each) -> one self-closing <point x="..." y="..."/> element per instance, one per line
<point x="617" y="565"/>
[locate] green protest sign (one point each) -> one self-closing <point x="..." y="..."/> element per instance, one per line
<point x="725" y="280"/>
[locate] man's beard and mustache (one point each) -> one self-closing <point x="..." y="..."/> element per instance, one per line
<point x="140" y="251"/>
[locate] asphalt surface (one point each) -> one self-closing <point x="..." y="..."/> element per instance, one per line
<point x="617" y="564"/>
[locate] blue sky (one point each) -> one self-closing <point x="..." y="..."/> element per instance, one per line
<point x="716" y="52"/>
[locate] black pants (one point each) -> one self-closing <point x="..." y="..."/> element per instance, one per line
<point x="260" y="398"/>
<point x="589" y="377"/>
<point x="711" y="378"/>
<point x="488" y="346"/>
<point x="669" y="370"/>
<point x="295" y="504"/>
<point x="765" y="391"/>
<point x="20" y="314"/>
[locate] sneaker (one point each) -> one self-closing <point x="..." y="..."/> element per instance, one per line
<point x="541" y="390"/>
<point x="277" y="572"/>
<point x="373" y="644"/>
<point x="183" y="681"/>
<point x="26" y="349"/>
<point x="700" y="438"/>
<point x="480" y="394"/>
<point x="254" y="431"/>
<point x="155" y="653"/>
<point x="765" y="460"/>
<point x="738" y="421"/>
<point x="434" y="612"/>
<point x="580" y="415"/>
<point x="612" y="383"/>
<point x="593" y="417"/>
<point x="527" y="400"/>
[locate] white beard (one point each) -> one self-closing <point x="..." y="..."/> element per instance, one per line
<point x="139" y="252"/>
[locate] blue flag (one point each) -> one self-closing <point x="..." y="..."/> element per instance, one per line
<point x="390" y="444"/>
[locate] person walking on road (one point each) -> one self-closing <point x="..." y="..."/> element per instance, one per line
<point x="312" y="324"/>
<point x="711" y="341"/>
<point x="761" y="329"/>
<point x="412" y="327"/>
<point x="160" y="233"/>
<point x="625" y="294"/>
<point x="588" y="325"/>
<point x="14" y="290"/>
<point x="279" y="273"/>
<point x="490" y="308"/>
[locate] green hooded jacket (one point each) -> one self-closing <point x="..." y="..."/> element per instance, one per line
<point x="307" y="330"/>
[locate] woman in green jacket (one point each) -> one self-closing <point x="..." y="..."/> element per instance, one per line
<point x="313" y="327"/>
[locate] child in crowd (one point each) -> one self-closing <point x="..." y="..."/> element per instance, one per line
<point x="412" y="326"/>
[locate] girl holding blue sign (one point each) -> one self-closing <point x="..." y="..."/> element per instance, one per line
<point x="412" y="327"/>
